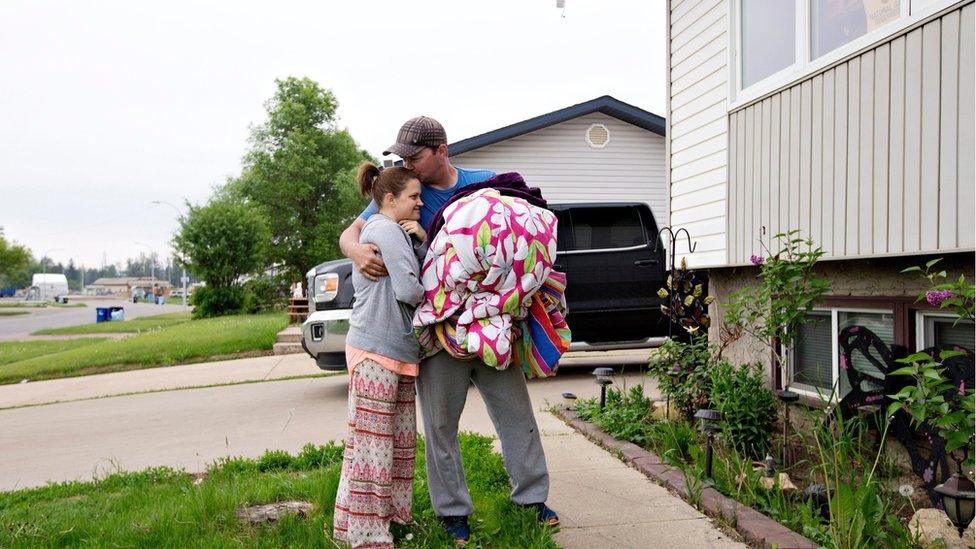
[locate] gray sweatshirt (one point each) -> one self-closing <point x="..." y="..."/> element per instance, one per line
<point x="382" y="315"/>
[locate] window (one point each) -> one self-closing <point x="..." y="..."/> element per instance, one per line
<point x="775" y="42"/>
<point x="837" y="22"/>
<point x="812" y="356"/>
<point x="940" y="329"/>
<point x="815" y="368"/>
<point x="768" y="38"/>
<point x="607" y="228"/>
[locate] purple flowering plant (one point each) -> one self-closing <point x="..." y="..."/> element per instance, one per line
<point x="773" y="311"/>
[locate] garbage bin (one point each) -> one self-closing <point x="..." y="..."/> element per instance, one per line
<point x="116" y="313"/>
<point x="102" y="314"/>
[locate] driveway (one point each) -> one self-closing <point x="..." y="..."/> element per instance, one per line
<point x="21" y="326"/>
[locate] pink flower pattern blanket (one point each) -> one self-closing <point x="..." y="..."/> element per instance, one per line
<point x="491" y="255"/>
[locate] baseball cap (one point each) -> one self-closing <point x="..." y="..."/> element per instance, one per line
<point x="415" y="134"/>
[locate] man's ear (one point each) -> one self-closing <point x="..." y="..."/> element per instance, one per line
<point x="442" y="150"/>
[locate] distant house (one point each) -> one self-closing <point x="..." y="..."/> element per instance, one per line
<point x="851" y="121"/>
<point x="603" y="150"/>
<point x="124" y="285"/>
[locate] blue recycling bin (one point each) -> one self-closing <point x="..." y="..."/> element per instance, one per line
<point x="102" y="314"/>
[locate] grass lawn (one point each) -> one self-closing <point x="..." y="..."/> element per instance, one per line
<point x="161" y="507"/>
<point x="138" y="325"/>
<point x="184" y="342"/>
<point x="14" y="313"/>
<point x="16" y="351"/>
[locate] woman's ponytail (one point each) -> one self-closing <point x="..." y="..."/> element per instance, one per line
<point x="366" y="175"/>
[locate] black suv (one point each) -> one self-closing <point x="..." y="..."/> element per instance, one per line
<point x="613" y="274"/>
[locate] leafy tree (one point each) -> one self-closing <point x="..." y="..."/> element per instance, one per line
<point x="299" y="172"/>
<point x="14" y="258"/>
<point x="222" y="241"/>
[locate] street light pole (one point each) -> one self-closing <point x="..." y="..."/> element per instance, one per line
<point x="183" y="278"/>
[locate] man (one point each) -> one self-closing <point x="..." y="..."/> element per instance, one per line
<point x="442" y="385"/>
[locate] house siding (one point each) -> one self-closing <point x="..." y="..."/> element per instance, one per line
<point x="558" y="160"/>
<point x="873" y="156"/>
<point x="698" y="155"/>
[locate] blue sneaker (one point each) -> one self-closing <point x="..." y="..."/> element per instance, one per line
<point x="457" y="528"/>
<point x="546" y="516"/>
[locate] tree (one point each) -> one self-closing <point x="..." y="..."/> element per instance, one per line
<point x="14" y="259"/>
<point x="299" y="172"/>
<point x="222" y="241"/>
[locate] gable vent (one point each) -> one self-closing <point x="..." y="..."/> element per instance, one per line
<point x="597" y="135"/>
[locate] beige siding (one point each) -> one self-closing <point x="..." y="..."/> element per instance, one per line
<point x="871" y="157"/>
<point x="698" y="129"/>
<point x="559" y="161"/>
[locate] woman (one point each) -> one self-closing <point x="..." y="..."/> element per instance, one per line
<point x="383" y="355"/>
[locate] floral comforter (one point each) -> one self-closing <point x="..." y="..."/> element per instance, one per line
<point x="482" y="279"/>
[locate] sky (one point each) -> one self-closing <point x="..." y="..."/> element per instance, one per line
<point x="106" y="106"/>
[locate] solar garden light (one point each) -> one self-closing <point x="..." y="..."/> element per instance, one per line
<point x="673" y="373"/>
<point x="787" y="397"/>
<point x="958" y="500"/>
<point x="710" y="426"/>
<point x="604" y="377"/>
<point x="569" y="401"/>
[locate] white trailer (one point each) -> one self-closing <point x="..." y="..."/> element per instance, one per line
<point x="48" y="286"/>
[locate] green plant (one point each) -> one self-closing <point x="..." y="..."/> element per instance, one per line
<point x="748" y="408"/>
<point x="626" y="415"/>
<point x="773" y="311"/>
<point x="681" y="370"/>
<point x="861" y="513"/>
<point x="934" y="399"/>
<point x="957" y="296"/>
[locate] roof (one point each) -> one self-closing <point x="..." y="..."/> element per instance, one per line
<point x="604" y="104"/>
<point x="113" y="281"/>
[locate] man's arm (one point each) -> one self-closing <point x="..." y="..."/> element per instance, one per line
<point x="364" y="256"/>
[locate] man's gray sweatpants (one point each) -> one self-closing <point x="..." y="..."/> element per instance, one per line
<point x="442" y="388"/>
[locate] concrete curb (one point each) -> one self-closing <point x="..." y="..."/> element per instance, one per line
<point x="758" y="529"/>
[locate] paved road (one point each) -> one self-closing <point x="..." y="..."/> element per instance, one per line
<point x="21" y="326"/>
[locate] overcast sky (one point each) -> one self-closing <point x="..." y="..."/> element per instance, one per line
<point x="106" y="106"/>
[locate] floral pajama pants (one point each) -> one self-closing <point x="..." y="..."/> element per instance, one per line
<point x="376" y="485"/>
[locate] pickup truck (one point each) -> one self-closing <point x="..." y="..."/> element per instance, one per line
<point x="613" y="271"/>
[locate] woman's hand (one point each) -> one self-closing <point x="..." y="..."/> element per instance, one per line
<point x="413" y="228"/>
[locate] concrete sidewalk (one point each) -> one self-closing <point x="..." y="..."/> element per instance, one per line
<point x="206" y="374"/>
<point x="224" y="372"/>
<point x="601" y="500"/>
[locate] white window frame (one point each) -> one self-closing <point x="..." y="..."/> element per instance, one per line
<point x="924" y="323"/>
<point x="811" y="391"/>
<point x="912" y="11"/>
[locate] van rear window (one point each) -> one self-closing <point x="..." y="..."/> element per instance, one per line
<point x="606" y="228"/>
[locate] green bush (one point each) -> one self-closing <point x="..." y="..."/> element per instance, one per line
<point x="264" y="294"/>
<point x="209" y="301"/>
<point x="748" y="408"/>
<point x="681" y="370"/>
